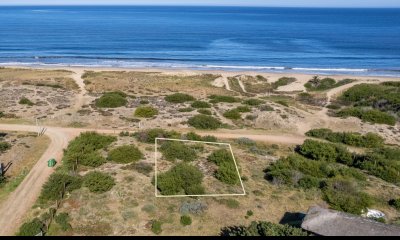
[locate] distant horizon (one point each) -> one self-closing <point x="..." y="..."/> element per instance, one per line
<point x="188" y="5"/>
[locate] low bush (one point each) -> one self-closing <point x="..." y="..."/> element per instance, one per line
<point x="174" y="150"/>
<point x="226" y="171"/>
<point x="320" y="151"/>
<point x="283" y="81"/>
<point x="98" y="182"/>
<point x="200" y="104"/>
<point x="266" y="108"/>
<point x="146" y="112"/>
<point x="225" y="99"/>
<point x="263" y="229"/>
<point x="125" y="154"/>
<point x="195" y="137"/>
<point x="63" y="220"/>
<point x="372" y="115"/>
<point x="179" y="98"/>
<point x="31" y="228"/>
<point x="26" y="101"/>
<point x="204" y="111"/>
<point x="112" y="100"/>
<point x="233" y="114"/>
<point x="4" y="146"/>
<point x="318" y="84"/>
<point x="243" y="109"/>
<point x="186" y="220"/>
<point x="144" y="102"/>
<point x="150" y="135"/>
<point x="189" y="109"/>
<point x="204" y="122"/>
<point x="182" y="178"/>
<point x="156" y="227"/>
<point x="253" y="102"/>
<point x="54" y="187"/>
<point x="369" y="140"/>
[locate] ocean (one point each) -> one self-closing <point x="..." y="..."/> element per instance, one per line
<point x="310" y="40"/>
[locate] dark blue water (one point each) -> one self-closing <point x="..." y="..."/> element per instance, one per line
<point x="363" y="41"/>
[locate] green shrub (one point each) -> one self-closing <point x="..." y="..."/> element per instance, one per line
<point x="31" y="228"/>
<point x="179" y="98"/>
<point x="2" y="114"/>
<point x="150" y="135"/>
<point x="225" y="99"/>
<point x="4" y="146"/>
<point x="204" y="111"/>
<point x="343" y="196"/>
<point x="231" y="203"/>
<point x="317" y="84"/>
<point x="369" y="140"/>
<point x="263" y="229"/>
<point x="125" y="154"/>
<point x="320" y="151"/>
<point x="173" y="150"/>
<point x="195" y="137"/>
<point x="156" y="227"/>
<point x="283" y="81"/>
<point x="26" y="101"/>
<point x="63" y="220"/>
<point x="243" y="109"/>
<point x="372" y="116"/>
<point x="209" y="138"/>
<point x="181" y="178"/>
<point x="112" y="100"/>
<point x="186" y="220"/>
<point x="283" y="103"/>
<point x="395" y="203"/>
<point x="233" y="114"/>
<point x="226" y="171"/>
<point x="204" y="122"/>
<point x="200" y="104"/>
<point x="146" y="112"/>
<point x="144" y="102"/>
<point x="189" y="109"/>
<point x="253" y="102"/>
<point x="84" y="150"/>
<point x="98" y="182"/>
<point x="54" y="187"/>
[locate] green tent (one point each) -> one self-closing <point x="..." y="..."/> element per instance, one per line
<point x="51" y="163"/>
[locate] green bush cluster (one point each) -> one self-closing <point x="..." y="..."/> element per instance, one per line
<point x="220" y="98"/>
<point x="188" y="109"/>
<point x="384" y="97"/>
<point x="182" y="178"/>
<point x="98" y="182"/>
<point x="31" y="228"/>
<point x="156" y="227"/>
<point x="150" y="135"/>
<point x="204" y="122"/>
<point x="26" y="101"/>
<point x="85" y="150"/>
<point x="195" y="137"/>
<point x="243" y="109"/>
<point x="369" y="140"/>
<point x="283" y="81"/>
<point x="200" y="104"/>
<point x="263" y="229"/>
<point x="368" y="115"/>
<point x="318" y="84"/>
<point x="179" y="98"/>
<point x="186" y="220"/>
<point x="63" y="220"/>
<point x="125" y="154"/>
<point x="253" y="102"/>
<point x="174" y="150"/>
<point x="233" y="114"/>
<point x="205" y="112"/>
<point x="4" y="146"/>
<point x="112" y="100"/>
<point x="54" y="187"/>
<point x="226" y="171"/>
<point x="146" y="112"/>
<point x="317" y="150"/>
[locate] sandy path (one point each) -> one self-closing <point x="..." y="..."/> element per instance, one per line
<point x="14" y="209"/>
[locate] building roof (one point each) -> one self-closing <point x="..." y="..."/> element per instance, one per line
<point x="328" y="222"/>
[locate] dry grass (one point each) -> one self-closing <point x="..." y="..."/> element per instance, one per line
<point x="20" y="76"/>
<point x="150" y="83"/>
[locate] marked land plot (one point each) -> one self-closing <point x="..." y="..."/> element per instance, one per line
<point x="185" y="168"/>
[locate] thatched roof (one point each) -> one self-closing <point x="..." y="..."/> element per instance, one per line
<point x="328" y="222"/>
